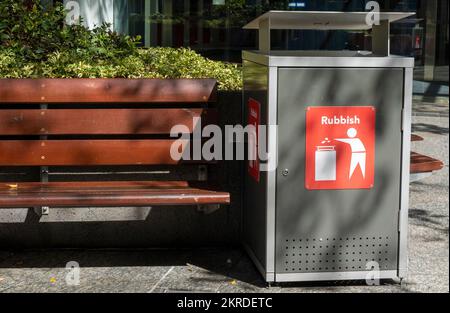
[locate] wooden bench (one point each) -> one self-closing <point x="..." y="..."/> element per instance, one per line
<point x="422" y="166"/>
<point x="76" y="125"/>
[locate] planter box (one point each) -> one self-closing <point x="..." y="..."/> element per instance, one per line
<point x="106" y="90"/>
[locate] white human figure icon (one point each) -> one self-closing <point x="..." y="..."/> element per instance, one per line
<point x="358" y="152"/>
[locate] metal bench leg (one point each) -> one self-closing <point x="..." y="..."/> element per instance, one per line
<point x="42" y="210"/>
<point x="208" y="208"/>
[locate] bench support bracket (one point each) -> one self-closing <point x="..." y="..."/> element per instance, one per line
<point x="202" y="173"/>
<point x="43" y="174"/>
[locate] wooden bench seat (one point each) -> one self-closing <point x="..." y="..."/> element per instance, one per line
<point x="421" y="163"/>
<point x="124" y="193"/>
<point x="422" y="166"/>
<point x="415" y="137"/>
<point x="46" y="124"/>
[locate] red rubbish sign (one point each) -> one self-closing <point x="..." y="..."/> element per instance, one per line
<point x="254" y="119"/>
<point x="340" y="147"/>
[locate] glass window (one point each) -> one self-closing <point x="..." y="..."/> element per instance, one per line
<point x="214" y="27"/>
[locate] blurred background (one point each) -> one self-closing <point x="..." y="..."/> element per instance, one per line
<point x="214" y="27"/>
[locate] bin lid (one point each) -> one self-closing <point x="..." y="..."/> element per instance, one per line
<point x="328" y="20"/>
<point x="322" y="20"/>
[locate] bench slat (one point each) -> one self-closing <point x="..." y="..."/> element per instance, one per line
<point x="87" y="152"/>
<point x="100" y="121"/>
<point x="112" y="194"/>
<point x="92" y="185"/>
<point x="117" y="90"/>
<point x="423" y="164"/>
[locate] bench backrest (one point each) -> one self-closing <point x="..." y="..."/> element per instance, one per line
<point x="87" y="122"/>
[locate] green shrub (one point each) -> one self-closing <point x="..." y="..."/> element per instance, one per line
<point x="37" y="43"/>
<point x="186" y="63"/>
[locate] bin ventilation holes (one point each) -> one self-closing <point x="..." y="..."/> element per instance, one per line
<point x="336" y="254"/>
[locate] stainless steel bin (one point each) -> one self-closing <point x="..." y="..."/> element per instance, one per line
<point x="333" y="204"/>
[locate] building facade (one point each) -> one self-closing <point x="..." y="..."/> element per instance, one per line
<point x="214" y="27"/>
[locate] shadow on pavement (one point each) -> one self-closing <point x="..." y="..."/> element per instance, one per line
<point x="230" y="262"/>
<point x="429" y="128"/>
<point x="427" y="219"/>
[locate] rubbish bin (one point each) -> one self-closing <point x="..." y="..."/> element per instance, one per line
<point x="332" y="201"/>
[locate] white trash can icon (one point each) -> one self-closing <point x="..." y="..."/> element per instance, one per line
<point x="325" y="163"/>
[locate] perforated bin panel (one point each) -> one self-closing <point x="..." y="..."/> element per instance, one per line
<point x="337" y="254"/>
<point x="337" y="230"/>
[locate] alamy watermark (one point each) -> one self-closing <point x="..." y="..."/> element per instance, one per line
<point x="212" y="143"/>
<point x="73" y="273"/>
<point x="373" y="17"/>
<point x="373" y="276"/>
<point x="73" y="12"/>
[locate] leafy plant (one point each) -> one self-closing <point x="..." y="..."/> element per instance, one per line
<point x="34" y="33"/>
<point x="186" y="63"/>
